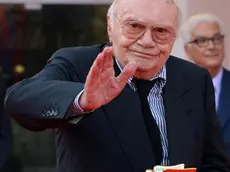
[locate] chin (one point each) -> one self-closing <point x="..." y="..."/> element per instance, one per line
<point x="147" y="68"/>
<point x="146" y="73"/>
<point x="216" y="65"/>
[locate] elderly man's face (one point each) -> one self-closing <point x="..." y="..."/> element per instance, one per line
<point x="143" y="31"/>
<point x="207" y="45"/>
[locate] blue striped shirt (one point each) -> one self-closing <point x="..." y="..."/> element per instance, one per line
<point x="156" y="105"/>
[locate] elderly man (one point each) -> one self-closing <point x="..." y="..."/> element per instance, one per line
<point x="126" y="105"/>
<point x="204" y="44"/>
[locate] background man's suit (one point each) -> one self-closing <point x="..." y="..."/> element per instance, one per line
<point x="223" y="110"/>
<point x="113" y="138"/>
<point x="5" y="129"/>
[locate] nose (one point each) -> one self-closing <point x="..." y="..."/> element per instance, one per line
<point x="211" y="44"/>
<point x="147" y="40"/>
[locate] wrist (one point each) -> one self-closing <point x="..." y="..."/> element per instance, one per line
<point x="84" y="103"/>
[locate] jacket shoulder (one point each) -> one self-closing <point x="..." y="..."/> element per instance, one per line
<point x="185" y="66"/>
<point x="78" y="60"/>
<point x="77" y="54"/>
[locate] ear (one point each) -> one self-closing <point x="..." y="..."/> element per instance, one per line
<point x="109" y="28"/>
<point x="187" y="50"/>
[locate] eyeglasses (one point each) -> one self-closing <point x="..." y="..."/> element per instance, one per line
<point x="204" y="42"/>
<point x="133" y="29"/>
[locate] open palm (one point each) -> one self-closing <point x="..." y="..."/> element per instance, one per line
<point x="101" y="84"/>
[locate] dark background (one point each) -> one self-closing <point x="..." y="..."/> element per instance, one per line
<point x="28" y="38"/>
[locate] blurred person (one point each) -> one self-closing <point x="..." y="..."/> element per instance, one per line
<point x="204" y="44"/>
<point x="5" y="129"/>
<point x="126" y="105"/>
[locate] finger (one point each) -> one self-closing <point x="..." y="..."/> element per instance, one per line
<point x="95" y="70"/>
<point x="126" y="73"/>
<point x="108" y="59"/>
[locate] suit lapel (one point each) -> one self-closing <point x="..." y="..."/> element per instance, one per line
<point x="125" y="116"/>
<point x="176" y="109"/>
<point x="224" y="105"/>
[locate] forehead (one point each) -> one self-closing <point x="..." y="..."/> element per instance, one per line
<point x="206" y="29"/>
<point x="148" y="11"/>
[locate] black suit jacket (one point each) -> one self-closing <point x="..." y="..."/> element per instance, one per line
<point x="5" y="129"/>
<point x="223" y="110"/>
<point x="113" y="137"/>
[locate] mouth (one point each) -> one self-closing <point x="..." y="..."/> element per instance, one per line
<point x="212" y="56"/>
<point x="145" y="55"/>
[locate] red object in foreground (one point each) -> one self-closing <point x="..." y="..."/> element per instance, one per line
<point x="181" y="170"/>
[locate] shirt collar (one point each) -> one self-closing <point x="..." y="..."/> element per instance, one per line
<point x="217" y="80"/>
<point x="161" y="74"/>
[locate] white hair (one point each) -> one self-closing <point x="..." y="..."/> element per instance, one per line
<point x="187" y="28"/>
<point x="112" y="8"/>
<point x="111" y="11"/>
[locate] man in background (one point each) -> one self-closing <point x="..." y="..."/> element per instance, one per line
<point x="204" y="45"/>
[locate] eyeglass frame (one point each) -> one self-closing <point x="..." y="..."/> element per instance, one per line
<point x="207" y="40"/>
<point x="171" y="29"/>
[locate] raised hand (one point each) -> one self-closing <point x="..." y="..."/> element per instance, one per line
<point x="101" y="85"/>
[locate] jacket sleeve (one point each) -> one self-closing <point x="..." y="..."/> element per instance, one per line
<point x="43" y="101"/>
